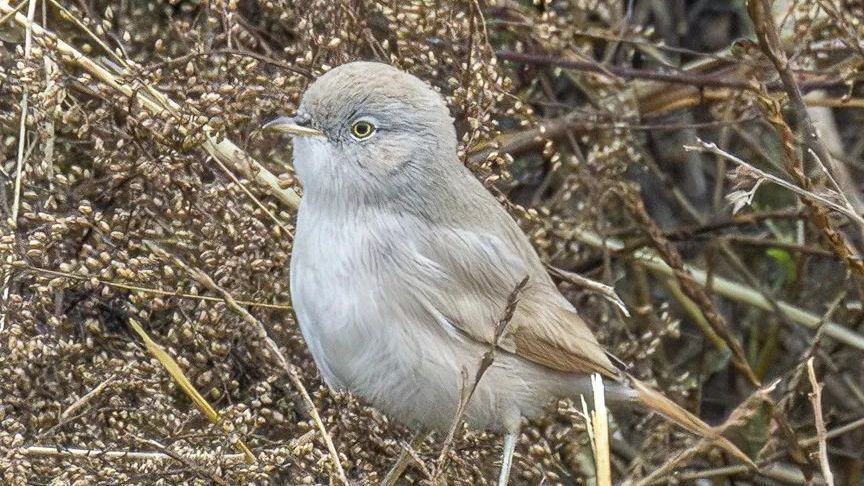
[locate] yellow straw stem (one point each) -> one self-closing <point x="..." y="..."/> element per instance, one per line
<point x="179" y="377"/>
<point x="597" y="421"/>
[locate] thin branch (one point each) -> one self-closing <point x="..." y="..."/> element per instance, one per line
<point x="86" y="397"/>
<point x="834" y="433"/>
<point x="837" y="189"/>
<point x="407" y="453"/>
<point x="816" y="400"/>
<point x="61" y="451"/>
<point x="271" y="347"/>
<point x="783" y="473"/>
<point x="254" y="199"/>
<point x="485" y="362"/>
<point x="15" y="10"/>
<point x="727" y="288"/>
<point x="695" y="313"/>
<point x="607" y="291"/>
<point x="22" y="139"/>
<point x="714" y="149"/>
<point x="628" y="73"/>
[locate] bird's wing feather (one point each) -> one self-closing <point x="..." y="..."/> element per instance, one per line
<point x="475" y="273"/>
<point x="469" y="276"/>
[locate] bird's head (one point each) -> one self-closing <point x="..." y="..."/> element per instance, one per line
<point x="368" y="123"/>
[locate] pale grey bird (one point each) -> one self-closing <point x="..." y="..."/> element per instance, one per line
<point x="403" y="263"/>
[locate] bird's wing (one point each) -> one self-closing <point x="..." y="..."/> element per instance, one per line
<point x="465" y="282"/>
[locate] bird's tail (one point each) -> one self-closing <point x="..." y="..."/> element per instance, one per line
<point x="659" y="403"/>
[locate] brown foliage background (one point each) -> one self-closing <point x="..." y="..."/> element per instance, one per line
<point x="576" y="113"/>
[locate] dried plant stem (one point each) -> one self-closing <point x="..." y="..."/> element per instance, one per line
<point x="406" y="454"/>
<point x="597" y="421"/>
<point x="729" y="289"/>
<point x="783" y="473"/>
<point x="70" y="16"/>
<point x="690" y="307"/>
<point x="22" y="136"/>
<point x="148" y="290"/>
<point x="48" y="151"/>
<point x="60" y="451"/>
<point x="846" y="210"/>
<point x="688" y="284"/>
<point x="854" y="425"/>
<point x="272" y="348"/>
<point x="17" y="8"/>
<point x="22" y="129"/>
<point x="821" y="432"/>
<point x="665" y="470"/>
<point x="485" y="362"/>
<point x="176" y="373"/>
<point x="77" y="404"/>
<point x="607" y="291"/>
<point x="254" y="199"/>
<point x="156" y="104"/>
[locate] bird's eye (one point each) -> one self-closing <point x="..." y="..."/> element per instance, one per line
<point x="362" y="129"/>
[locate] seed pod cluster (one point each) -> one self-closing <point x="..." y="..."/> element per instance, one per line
<point x="122" y="213"/>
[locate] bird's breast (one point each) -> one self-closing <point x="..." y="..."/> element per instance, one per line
<point x="361" y="296"/>
<point x="338" y="267"/>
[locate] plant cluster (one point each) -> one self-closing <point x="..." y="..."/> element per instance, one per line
<point x="704" y="158"/>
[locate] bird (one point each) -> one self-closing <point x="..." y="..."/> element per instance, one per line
<point x="403" y="263"/>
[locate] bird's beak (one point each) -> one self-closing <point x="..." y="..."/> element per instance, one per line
<point x="295" y="125"/>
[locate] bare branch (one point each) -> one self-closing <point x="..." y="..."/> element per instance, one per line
<point x="821" y="432"/>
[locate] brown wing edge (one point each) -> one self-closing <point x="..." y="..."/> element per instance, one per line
<point x="558" y="338"/>
<point x="569" y="345"/>
<point x="556" y="356"/>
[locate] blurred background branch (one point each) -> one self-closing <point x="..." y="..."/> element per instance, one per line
<point x="131" y="155"/>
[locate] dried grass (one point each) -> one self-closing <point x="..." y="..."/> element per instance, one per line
<point x="136" y="187"/>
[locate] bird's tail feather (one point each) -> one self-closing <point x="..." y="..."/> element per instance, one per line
<point x="659" y="403"/>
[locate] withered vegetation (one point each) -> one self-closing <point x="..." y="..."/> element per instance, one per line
<point x="705" y="158"/>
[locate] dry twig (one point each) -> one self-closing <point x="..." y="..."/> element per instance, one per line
<point x="272" y="349"/>
<point x="485" y="362"/>
<point x="176" y="373"/>
<point x="688" y="284"/>
<point x="821" y="432"/>
<point x="729" y="289"/>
